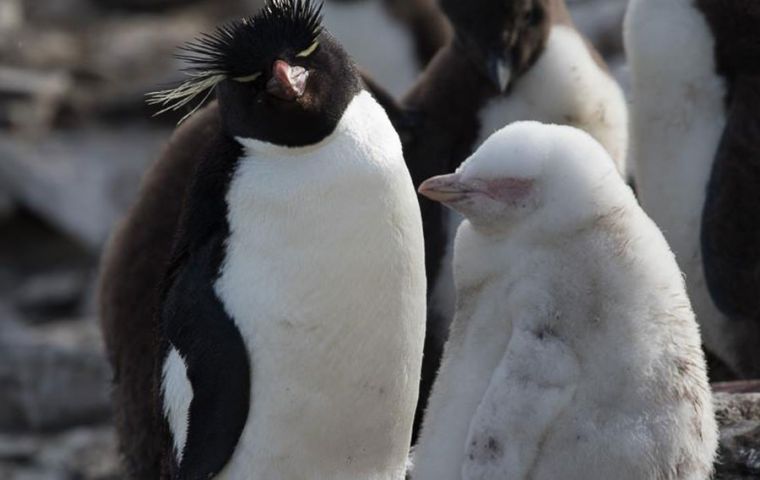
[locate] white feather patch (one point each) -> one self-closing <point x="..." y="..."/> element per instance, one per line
<point x="177" y="395"/>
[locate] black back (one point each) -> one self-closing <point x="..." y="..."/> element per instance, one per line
<point x="194" y="321"/>
<point x="730" y="231"/>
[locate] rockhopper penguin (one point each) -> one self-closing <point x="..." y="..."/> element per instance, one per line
<point x="131" y="269"/>
<point x="292" y="312"/>
<point x="695" y="68"/>
<point x="574" y="353"/>
<point x="509" y="61"/>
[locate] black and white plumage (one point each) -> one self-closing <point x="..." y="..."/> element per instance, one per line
<point x="292" y="312"/>
<point x="694" y="67"/>
<point x="574" y="352"/>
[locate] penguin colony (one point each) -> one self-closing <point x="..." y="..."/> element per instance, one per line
<point x="263" y="303"/>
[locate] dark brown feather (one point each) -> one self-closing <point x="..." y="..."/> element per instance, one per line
<point x="730" y="226"/>
<point x="131" y="271"/>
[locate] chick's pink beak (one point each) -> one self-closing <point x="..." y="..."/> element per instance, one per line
<point x="445" y="188"/>
<point x="288" y="82"/>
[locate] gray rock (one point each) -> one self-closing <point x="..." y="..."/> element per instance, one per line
<point x="143" y="4"/>
<point x="51" y="295"/>
<point x="79" y="181"/>
<point x="45" y="387"/>
<point x="82" y="453"/>
<point x="739" y="419"/>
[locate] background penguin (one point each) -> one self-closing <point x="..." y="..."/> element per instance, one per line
<point x="392" y="40"/>
<point x="695" y="69"/>
<point x="509" y="61"/>
<point x="574" y="353"/>
<point x="314" y="90"/>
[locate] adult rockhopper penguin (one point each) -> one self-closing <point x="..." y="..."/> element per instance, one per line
<point x="695" y="68"/>
<point x="291" y="316"/>
<point x="508" y="61"/>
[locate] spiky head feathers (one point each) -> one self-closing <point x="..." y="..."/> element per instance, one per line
<point x="238" y="49"/>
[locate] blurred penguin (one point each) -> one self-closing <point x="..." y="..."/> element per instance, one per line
<point x="695" y="69"/>
<point x="574" y="353"/>
<point x="391" y="40"/>
<point x="509" y="61"/>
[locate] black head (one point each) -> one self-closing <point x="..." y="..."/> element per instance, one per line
<point x="503" y="37"/>
<point x="279" y="77"/>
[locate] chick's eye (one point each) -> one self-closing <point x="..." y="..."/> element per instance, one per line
<point x="308" y="51"/>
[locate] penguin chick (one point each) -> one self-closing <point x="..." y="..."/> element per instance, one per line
<point x="574" y="353"/>
<point x="509" y="61"/>
<point x="292" y="312"/>
<point x="695" y="69"/>
<point x="392" y="39"/>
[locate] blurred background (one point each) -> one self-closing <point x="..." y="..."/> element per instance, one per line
<point x="75" y="137"/>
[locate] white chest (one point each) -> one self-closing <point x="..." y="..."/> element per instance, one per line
<point x="377" y="42"/>
<point x="678" y="118"/>
<point x="479" y="338"/>
<point x="678" y="114"/>
<point x="324" y="277"/>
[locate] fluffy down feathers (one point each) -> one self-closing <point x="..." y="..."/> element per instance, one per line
<point x="574" y="352"/>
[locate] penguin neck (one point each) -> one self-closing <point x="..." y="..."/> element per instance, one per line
<point x="254" y="147"/>
<point x="350" y="121"/>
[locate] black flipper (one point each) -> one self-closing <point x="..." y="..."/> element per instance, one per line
<point x="194" y="321"/>
<point x="731" y="215"/>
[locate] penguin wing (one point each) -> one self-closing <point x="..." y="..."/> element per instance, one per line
<point x="195" y="324"/>
<point x="730" y="233"/>
<point x="531" y="386"/>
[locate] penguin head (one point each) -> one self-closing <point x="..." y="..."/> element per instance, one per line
<point x="553" y="177"/>
<point x="279" y="76"/>
<point x="502" y="37"/>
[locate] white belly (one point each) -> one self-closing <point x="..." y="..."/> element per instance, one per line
<point x="324" y="276"/>
<point x="678" y="117"/>
<point x="465" y="375"/>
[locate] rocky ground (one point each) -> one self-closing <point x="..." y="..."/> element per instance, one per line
<point x="75" y="136"/>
